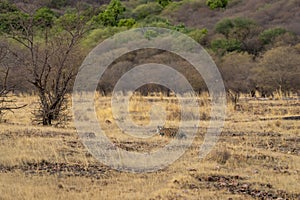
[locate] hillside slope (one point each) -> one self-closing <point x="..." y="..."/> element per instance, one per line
<point x="267" y="13"/>
<point x="194" y="13"/>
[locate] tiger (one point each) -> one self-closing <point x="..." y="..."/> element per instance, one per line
<point x="170" y="132"/>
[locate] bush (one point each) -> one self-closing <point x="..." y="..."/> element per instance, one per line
<point x="198" y="34"/>
<point x="180" y="28"/>
<point x="269" y="35"/>
<point x="144" y="10"/>
<point x="154" y="21"/>
<point x="111" y="15"/>
<point x="7" y="7"/>
<point x="224" y="45"/>
<point x="240" y="33"/>
<point x="243" y="23"/>
<point x="213" y="4"/>
<point x="127" y="22"/>
<point x="163" y="3"/>
<point x="220" y="155"/>
<point x="172" y="7"/>
<point x="235" y="27"/>
<point x="98" y="35"/>
<point x="224" y="27"/>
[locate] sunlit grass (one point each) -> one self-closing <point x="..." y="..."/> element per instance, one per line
<point x="259" y="151"/>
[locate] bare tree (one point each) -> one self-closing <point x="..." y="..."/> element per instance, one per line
<point x="51" y="56"/>
<point x="7" y="100"/>
<point x="236" y="69"/>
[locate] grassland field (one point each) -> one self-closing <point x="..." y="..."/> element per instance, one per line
<point x="257" y="155"/>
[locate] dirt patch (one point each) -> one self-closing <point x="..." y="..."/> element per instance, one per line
<point x="29" y="133"/>
<point x="239" y="185"/>
<point x="278" y="169"/>
<point x="138" y="146"/>
<point x="283" y="145"/>
<point x="59" y="169"/>
<point x="240" y="134"/>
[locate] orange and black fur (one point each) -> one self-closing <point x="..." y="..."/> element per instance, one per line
<point x="169" y="132"/>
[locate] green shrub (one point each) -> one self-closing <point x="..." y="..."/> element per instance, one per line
<point x="224" y="45"/>
<point x="144" y="10"/>
<point x="234" y="27"/>
<point x="269" y="35"/>
<point x="213" y="4"/>
<point x="198" y="34"/>
<point x="224" y="26"/>
<point x="243" y="23"/>
<point x="163" y="3"/>
<point x="172" y="7"/>
<point x="154" y="21"/>
<point x="7" y="7"/>
<point x="127" y="22"/>
<point x="111" y="15"/>
<point x="98" y="35"/>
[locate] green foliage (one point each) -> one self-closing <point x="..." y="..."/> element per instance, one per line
<point x="44" y="17"/>
<point x="163" y="3"/>
<point x="243" y="23"/>
<point x="69" y="20"/>
<point x="73" y="20"/>
<point x="7" y="7"/>
<point x="234" y="27"/>
<point x="13" y="21"/>
<point x="111" y="15"/>
<point x="198" y="34"/>
<point x="127" y="22"/>
<point x="149" y="34"/>
<point x="224" y="26"/>
<point x="242" y="28"/>
<point x="144" y="10"/>
<point x="240" y="33"/>
<point x="173" y="7"/>
<point x="223" y="45"/>
<point x="180" y="28"/>
<point x="213" y="4"/>
<point x="98" y="35"/>
<point x="269" y="35"/>
<point x="154" y="21"/>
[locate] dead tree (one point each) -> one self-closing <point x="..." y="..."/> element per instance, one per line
<point x="51" y="56"/>
<point x="7" y="100"/>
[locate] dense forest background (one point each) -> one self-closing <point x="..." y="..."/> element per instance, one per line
<point x="254" y="43"/>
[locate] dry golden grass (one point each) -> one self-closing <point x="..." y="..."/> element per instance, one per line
<point x="257" y="154"/>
